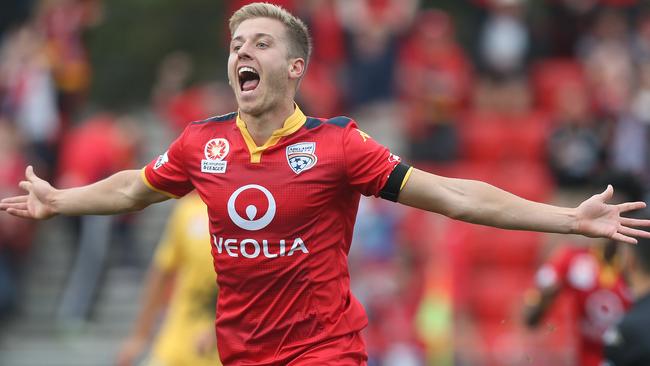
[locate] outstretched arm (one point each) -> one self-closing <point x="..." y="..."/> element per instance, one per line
<point x="122" y="192"/>
<point x="480" y="203"/>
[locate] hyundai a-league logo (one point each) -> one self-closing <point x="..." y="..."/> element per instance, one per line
<point x="301" y="156"/>
<point x="215" y="151"/>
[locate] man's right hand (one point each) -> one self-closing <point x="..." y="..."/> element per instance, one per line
<point x="36" y="204"/>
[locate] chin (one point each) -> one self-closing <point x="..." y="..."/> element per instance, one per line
<point x="251" y="108"/>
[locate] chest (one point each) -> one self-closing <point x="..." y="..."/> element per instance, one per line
<point x="287" y="183"/>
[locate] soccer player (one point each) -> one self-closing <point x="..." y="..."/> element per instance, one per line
<point x="628" y="343"/>
<point x="593" y="278"/>
<point x="282" y="191"/>
<point x="183" y="262"/>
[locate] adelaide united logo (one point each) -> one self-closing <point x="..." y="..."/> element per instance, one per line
<point x="301" y="156"/>
<point x="215" y="151"/>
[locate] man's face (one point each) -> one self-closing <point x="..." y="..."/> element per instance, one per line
<point x="259" y="65"/>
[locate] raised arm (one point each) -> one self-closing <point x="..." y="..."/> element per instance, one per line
<point x="480" y="203"/>
<point x="122" y="192"/>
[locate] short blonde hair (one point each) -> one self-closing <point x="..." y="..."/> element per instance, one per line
<point x="299" y="40"/>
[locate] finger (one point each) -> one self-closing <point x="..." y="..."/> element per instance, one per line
<point x="634" y="232"/>
<point x="20" y="213"/>
<point x="634" y="222"/>
<point x="15" y="199"/>
<point x="624" y="239"/>
<point x="630" y="206"/>
<point x="17" y="206"/>
<point x="25" y="185"/>
<point x="29" y="173"/>
<point x="607" y="194"/>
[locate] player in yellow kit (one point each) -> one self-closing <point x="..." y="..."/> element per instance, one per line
<point x="183" y="258"/>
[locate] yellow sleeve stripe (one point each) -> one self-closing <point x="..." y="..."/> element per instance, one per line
<point x="148" y="184"/>
<point x="406" y="177"/>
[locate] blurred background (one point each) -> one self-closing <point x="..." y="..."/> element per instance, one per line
<point x="549" y="99"/>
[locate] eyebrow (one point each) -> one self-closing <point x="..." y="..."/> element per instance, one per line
<point x="255" y="36"/>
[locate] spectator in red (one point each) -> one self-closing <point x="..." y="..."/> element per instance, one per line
<point x="433" y="77"/>
<point x="179" y="104"/>
<point x="198" y="102"/>
<point x="321" y="88"/>
<point x="14" y="234"/>
<point x="63" y="22"/>
<point x="97" y="148"/>
<point x="27" y="94"/>
<point x="373" y="29"/>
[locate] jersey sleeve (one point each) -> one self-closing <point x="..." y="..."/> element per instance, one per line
<point x="166" y="174"/>
<point x="368" y="164"/>
<point x="553" y="273"/>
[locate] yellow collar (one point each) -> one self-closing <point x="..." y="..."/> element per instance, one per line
<point x="291" y="125"/>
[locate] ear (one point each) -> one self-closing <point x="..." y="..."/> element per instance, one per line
<point x="296" y="68"/>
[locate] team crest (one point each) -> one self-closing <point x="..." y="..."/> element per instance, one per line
<point x="301" y="156"/>
<point x="215" y="151"/>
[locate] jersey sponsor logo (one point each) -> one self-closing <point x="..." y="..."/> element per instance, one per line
<point x="162" y="159"/>
<point x="215" y="151"/>
<point x="253" y="248"/>
<point x="603" y="309"/>
<point x="251" y="211"/>
<point x="301" y="156"/>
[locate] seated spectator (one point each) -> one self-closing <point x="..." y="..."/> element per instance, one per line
<point x="576" y="147"/>
<point x="505" y="39"/>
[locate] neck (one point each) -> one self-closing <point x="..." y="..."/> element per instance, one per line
<point x="640" y="285"/>
<point x="261" y="126"/>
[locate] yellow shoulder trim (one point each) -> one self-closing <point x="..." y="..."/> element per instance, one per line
<point x="406" y="177"/>
<point x="148" y="184"/>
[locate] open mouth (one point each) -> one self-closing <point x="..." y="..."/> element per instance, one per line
<point x="249" y="78"/>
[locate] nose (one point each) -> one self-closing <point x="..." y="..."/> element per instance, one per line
<point x="244" y="51"/>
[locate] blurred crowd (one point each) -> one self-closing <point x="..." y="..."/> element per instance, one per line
<point x="539" y="97"/>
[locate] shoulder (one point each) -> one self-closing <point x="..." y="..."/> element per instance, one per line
<point x="198" y="128"/>
<point x="339" y="123"/>
<point x="332" y="127"/>
<point x="224" y="118"/>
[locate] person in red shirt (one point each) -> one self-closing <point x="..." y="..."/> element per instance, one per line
<point x="282" y="191"/>
<point x="593" y="278"/>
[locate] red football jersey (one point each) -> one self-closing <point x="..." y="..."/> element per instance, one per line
<point x="281" y="222"/>
<point x="598" y="292"/>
